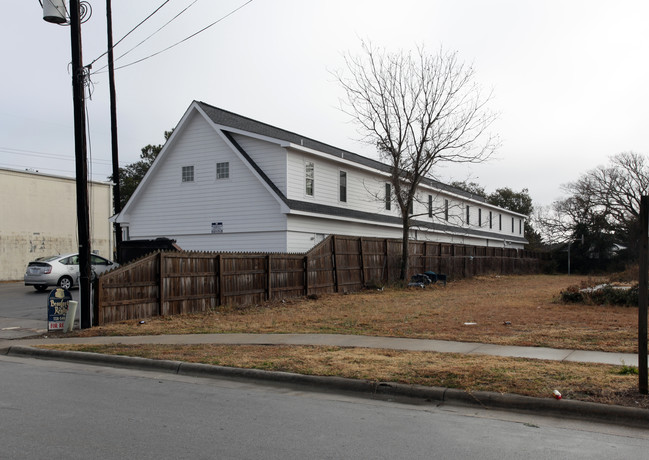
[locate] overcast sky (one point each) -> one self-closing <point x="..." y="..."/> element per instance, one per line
<point x="569" y="78"/>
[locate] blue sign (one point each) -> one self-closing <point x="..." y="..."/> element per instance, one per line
<point x="57" y="308"/>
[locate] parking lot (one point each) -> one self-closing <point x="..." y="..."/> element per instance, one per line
<point x="23" y="310"/>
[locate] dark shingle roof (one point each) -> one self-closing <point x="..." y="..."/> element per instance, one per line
<point x="233" y="120"/>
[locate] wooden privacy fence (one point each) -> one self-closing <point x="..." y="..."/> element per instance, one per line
<point x="169" y="283"/>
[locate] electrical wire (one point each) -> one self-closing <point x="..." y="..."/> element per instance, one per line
<point x="186" y="38"/>
<point x="55" y="156"/>
<point x="129" y="32"/>
<point x="147" y="38"/>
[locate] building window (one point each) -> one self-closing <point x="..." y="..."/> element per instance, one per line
<point x="520" y="226"/>
<point x="430" y="205"/>
<point x="490" y="219"/>
<point x="188" y="174"/>
<point x="310" y="178"/>
<point x="500" y="222"/>
<point x="223" y="170"/>
<point x="388" y="196"/>
<point x="343" y="186"/>
<point x="446" y="210"/>
<point x="479" y="217"/>
<point x="468" y="215"/>
<point x="512" y="225"/>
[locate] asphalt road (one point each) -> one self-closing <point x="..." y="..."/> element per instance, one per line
<point x="23" y="310"/>
<point x="56" y="409"/>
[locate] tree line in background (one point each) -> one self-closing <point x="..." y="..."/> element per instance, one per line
<point x="600" y="216"/>
<point x="596" y="224"/>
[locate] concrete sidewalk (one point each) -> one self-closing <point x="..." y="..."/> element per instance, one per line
<point x="392" y="391"/>
<point x="393" y="343"/>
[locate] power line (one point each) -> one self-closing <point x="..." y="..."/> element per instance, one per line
<point x="186" y="38"/>
<point x="55" y="156"/>
<point x="129" y="32"/>
<point x="147" y="38"/>
<point x="101" y="177"/>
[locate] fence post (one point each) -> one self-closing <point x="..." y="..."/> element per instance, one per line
<point x="362" y="262"/>
<point x="96" y="302"/>
<point x="161" y="298"/>
<point x="221" y="294"/>
<point x="643" y="283"/>
<point x="387" y="263"/>
<point x="306" y="276"/>
<point x="333" y="261"/>
<point x="268" y="277"/>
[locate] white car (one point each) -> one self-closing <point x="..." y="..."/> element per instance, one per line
<point x="62" y="270"/>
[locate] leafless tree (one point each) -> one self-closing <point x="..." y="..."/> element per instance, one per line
<point x="418" y="109"/>
<point x="603" y="200"/>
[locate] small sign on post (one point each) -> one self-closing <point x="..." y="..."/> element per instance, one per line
<point x="57" y="309"/>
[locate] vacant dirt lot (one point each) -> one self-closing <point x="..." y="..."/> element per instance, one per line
<point x="508" y="310"/>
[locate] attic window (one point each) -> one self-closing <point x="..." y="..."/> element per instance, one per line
<point x="388" y="196"/>
<point x="223" y="170"/>
<point x="343" y="186"/>
<point x="188" y="174"/>
<point x="310" y="177"/>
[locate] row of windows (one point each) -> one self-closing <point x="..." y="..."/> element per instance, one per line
<point x="222" y="172"/>
<point x="388" y="206"/>
<point x="342" y="196"/>
<point x="500" y="220"/>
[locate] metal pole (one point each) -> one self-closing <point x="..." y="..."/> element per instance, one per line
<point x="569" y="243"/>
<point x="113" y="125"/>
<point x="78" y="80"/>
<point x="643" y="285"/>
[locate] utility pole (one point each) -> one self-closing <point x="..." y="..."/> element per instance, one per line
<point x="643" y="285"/>
<point x="78" y="82"/>
<point x="113" y="126"/>
<point x="54" y="11"/>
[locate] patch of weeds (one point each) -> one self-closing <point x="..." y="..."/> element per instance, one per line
<point x="627" y="370"/>
<point x="572" y="294"/>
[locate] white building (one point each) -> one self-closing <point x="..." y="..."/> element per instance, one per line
<point x="224" y="182"/>
<point x="39" y="218"/>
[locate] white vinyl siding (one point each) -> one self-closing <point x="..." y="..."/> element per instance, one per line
<point x="169" y="209"/>
<point x="270" y="157"/>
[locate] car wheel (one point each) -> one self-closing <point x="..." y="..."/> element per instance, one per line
<point x="65" y="282"/>
<point x="41" y="287"/>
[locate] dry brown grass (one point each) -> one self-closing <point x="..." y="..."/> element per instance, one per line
<point x="530" y="303"/>
<point x="586" y="382"/>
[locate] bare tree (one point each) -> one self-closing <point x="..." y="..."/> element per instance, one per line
<point x="417" y="109"/>
<point x="604" y="201"/>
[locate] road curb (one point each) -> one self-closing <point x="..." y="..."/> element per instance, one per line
<point x="629" y="416"/>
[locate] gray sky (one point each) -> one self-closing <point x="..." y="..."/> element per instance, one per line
<point x="569" y="78"/>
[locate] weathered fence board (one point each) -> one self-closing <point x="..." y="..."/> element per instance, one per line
<point x="171" y="283"/>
